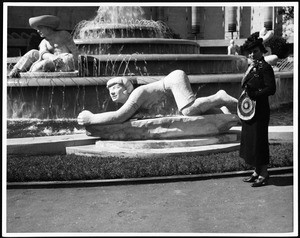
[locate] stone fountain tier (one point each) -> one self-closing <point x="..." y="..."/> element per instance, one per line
<point x="170" y="127"/>
<point x="123" y="31"/>
<point x="154" y="64"/>
<point x="137" y="45"/>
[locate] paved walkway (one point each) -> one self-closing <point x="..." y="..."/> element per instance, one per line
<point x="223" y="205"/>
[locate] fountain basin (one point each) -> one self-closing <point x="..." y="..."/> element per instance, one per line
<point x="52" y="96"/>
<point x="120" y="31"/>
<point x="152" y="64"/>
<point x="140" y="45"/>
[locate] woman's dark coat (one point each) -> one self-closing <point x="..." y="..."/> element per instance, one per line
<point x="260" y="84"/>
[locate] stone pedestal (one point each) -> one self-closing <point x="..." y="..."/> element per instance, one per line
<point x="159" y="148"/>
<point x="162" y="137"/>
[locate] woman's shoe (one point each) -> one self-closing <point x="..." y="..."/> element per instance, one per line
<point x="261" y="181"/>
<point x="250" y="179"/>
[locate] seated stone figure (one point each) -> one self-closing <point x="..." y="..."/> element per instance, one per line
<point x="57" y="51"/>
<point x="146" y="96"/>
<point x="266" y="35"/>
<point x="232" y="49"/>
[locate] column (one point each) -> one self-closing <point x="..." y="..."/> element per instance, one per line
<point x="232" y="13"/>
<point x="195" y="22"/>
<point x="268" y="18"/>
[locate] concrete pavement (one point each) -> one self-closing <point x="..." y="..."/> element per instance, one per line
<point x="213" y="206"/>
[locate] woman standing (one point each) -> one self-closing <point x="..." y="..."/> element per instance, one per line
<point x="259" y="84"/>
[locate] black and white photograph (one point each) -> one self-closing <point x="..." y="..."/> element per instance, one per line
<point x="98" y="140"/>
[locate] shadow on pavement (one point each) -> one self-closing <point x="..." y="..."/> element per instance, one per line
<point x="277" y="180"/>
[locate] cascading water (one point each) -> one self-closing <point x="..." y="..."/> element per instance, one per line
<point x="121" y="22"/>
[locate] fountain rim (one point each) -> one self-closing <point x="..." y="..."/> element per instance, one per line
<point x="135" y="40"/>
<point x="139" y="80"/>
<point x="140" y="56"/>
<point x="125" y="26"/>
<point x="100" y="81"/>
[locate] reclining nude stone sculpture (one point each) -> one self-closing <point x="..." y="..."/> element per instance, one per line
<point x="119" y="124"/>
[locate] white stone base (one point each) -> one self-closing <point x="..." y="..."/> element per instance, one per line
<point x="158" y="148"/>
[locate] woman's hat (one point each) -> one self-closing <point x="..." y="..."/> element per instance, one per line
<point x="45" y="20"/>
<point x="258" y="42"/>
<point x="120" y="80"/>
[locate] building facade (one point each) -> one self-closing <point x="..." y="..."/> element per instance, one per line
<point x="212" y="27"/>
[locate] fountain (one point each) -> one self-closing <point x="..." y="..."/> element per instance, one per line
<point x="119" y="42"/>
<point x="146" y="54"/>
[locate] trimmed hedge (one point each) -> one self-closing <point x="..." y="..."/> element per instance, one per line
<point x="74" y="167"/>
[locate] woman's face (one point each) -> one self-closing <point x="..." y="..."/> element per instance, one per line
<point x="255" y="53"/>
<point x="118" y="93"/>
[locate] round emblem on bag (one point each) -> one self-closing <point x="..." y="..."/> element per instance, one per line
<point x="245" y="107"/>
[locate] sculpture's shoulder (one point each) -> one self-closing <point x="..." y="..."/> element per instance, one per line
<point x="63" y="33"/>
<point x="63" y="37"/>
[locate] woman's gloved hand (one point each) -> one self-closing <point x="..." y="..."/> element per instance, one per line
<point x="252" y="93"/>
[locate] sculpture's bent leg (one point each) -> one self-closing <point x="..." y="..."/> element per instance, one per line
<point x="24" y="63"/>
<point x="203" y="104"/>
<point x="43" y="66"/>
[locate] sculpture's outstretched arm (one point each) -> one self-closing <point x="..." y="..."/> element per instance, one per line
<point x="105" y="118"/>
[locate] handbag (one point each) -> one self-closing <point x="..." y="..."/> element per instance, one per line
<point x="245" y="106"/>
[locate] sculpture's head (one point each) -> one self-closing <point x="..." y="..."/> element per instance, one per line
<point x="45" y="24"/>
<point x="119" y="89"/>
<point x="44" y="20"/>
